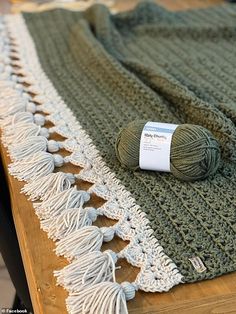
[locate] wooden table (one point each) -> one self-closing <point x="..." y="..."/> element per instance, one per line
<point x="212" y="296"/>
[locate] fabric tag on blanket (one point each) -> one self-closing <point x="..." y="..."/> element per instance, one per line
<point x="198" y="264"/>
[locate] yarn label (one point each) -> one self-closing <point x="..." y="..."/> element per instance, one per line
<point x="155" y="145"/>
<point x="198" y="264"/>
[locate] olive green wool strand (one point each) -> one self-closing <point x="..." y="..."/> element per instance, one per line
<point x="194" y="155"/>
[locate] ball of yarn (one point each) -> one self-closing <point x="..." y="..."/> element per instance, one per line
<point x="194" y="154"/>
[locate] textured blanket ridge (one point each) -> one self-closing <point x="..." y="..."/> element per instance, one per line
<point x="89" y="74"/>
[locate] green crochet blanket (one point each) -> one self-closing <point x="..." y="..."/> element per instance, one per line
<point x="108" y="70"/>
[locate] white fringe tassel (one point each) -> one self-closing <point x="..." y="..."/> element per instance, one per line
<point x="82" y="241"/>
<point x="68" y="221"/>
<point x="30" y="146"/>
<point x="105" y="297"/>
<point x="23" y="117"/>
<point x="89" y="269"/>
<point x="48" y="186"/>
<point x="19" y="132"/>
<point x="35" y="166"/>
<point x="20" y="117"/>
<point x="11" y="106"/>
<point x="56" y="204"/>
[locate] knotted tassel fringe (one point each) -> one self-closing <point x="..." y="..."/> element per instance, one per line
<point x="32" y="145"/>
<point x="23" y="117"/>
<point x="14" y="128"/>
<point x="55" y="205"/>
<point x="20" y="132"/>
<point x="20" y="117"/>
<point x="18" y="101"/>
<point x="82" y="241"/>
<point x="6" y="89"/>
<point x="48" y="186"/>
<point x="105" y="297"/>
<point x="35" y="166"/>
<point x="39" y="119"/>
<point x="88" y="270"/>
<point x="69" y="221"/>
<point x="9" y="109"/>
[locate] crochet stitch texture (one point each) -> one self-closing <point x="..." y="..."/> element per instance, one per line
<point x="88" y="74"/>
<point x="156" y="65"/>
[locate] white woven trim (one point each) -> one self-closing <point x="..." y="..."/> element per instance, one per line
<point x="157" y="271"/>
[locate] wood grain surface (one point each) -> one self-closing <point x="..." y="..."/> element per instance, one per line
<point x="212" y="296"/>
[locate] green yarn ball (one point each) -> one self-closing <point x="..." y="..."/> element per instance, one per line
<point x="194" y="155"/>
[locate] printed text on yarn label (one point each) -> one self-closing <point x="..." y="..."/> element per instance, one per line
<point x="155" y="146"/>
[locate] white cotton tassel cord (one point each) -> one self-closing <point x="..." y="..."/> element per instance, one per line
<point x="63" y="201"/>
<point x="19" y="132"/>
<point x="22" y="131"/>
<point x="69" y="221"/>
<point x="35" y="166"/>
<point x="9" y="106"/>
<point x="48" y="186"/>
<point x="38" y="118"/>
<point x="84" y="240"/>
<point x="12" y="105"/>
<point x="13" y="129"/>
<point x="11" y="89"/>
<point x="25" y="117"/>
<point x="88" y="270"/>
<point x="6" y="89"/>
<point x="11" y="133"/>
<point x="32" y="145"/>
<point x="106" y="297"/>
